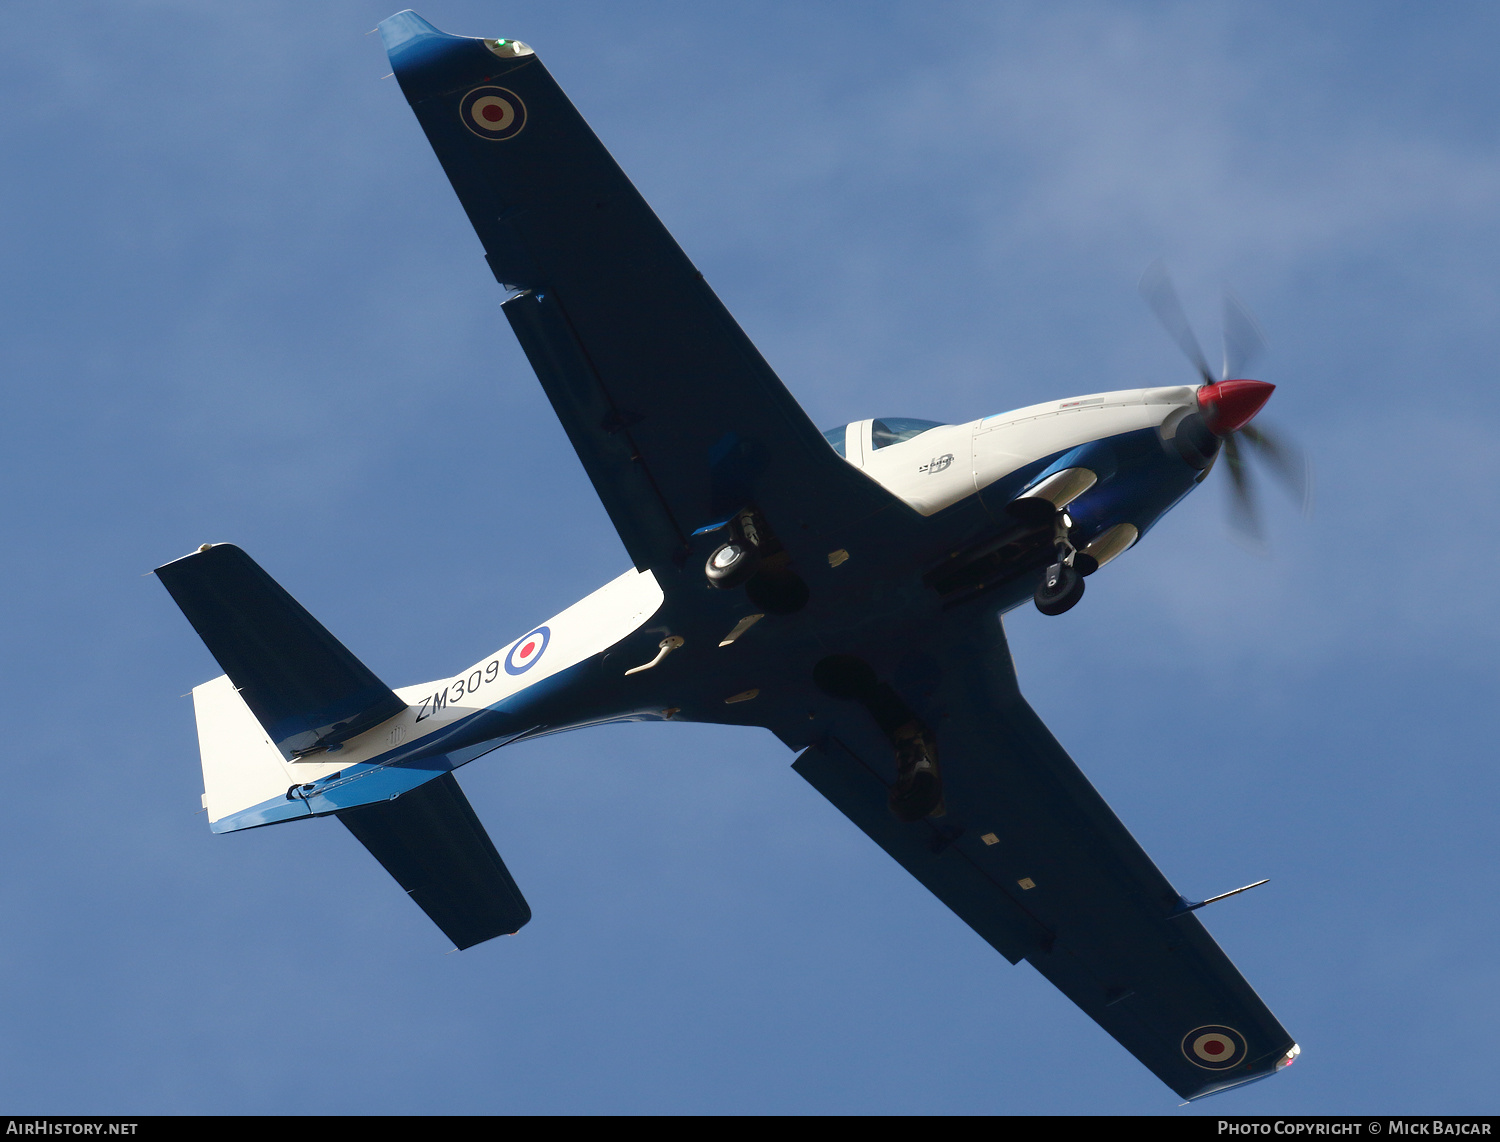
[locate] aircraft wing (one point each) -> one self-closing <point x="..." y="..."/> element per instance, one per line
<point x="1030" y="856"/>
<point x="676" y="417"/>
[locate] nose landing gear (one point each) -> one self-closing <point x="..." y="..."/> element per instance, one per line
<point x="1060" y="589"/>
<point x="1062" y="583"/>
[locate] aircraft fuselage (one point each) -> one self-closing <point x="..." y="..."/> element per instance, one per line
<point x="570" y="671"/>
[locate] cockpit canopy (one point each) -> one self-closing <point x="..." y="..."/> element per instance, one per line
<point x="883" y="433"/>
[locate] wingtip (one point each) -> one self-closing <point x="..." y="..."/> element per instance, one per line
<point x="398" y="30"/>
<point x="1209" y="1090"/>
<point x="201" y="549"/>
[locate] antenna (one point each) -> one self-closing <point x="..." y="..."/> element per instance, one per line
<point x="1184" y="905"/>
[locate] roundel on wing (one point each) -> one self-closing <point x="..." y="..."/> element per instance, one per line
<point x="1215" y="1048"/>
<point x="524" y="655"/>
<point x="493" y="113"/>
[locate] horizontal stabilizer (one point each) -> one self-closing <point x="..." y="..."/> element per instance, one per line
<point x="430" y="840"/>
<point x="301" y="683"/>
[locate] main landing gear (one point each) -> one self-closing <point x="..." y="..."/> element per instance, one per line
<point x="1062" y="582"/>
<point x="732" y="564"/>
<point x="754" y="559"/>
<point x="918" y="789"/>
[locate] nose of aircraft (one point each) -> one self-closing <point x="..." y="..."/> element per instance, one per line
<point x="1228" y="406"/>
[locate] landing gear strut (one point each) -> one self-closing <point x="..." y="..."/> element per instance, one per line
<point x="918" y="791"/>
<point x="1062" y="583"/>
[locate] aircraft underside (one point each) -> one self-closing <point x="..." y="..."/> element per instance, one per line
<point x="842" y="589"/>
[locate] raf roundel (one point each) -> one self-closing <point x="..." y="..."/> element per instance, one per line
<point x="493" y="113"/>
<point x="524" y="655"/>
<point x="1214" y="1048"/>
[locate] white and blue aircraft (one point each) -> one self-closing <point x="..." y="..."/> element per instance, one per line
<point x="842" y="589"/>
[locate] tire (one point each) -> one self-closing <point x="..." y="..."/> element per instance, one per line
<point x="731" y="565"/>
<point x="1064" y="596"/>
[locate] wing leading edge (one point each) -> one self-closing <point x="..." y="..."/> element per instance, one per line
<point x="677" y="418"/>
<point x="1030" y="856"/>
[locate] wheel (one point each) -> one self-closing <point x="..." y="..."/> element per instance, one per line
<point x="918" y="791"/>
<point x="1063" y="595"/>
<point x="731" y="564"/>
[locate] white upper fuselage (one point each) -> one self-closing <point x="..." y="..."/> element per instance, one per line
<point x="943" y="465"/>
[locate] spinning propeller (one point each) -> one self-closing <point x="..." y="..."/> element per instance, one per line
<point x="1228" y="405"/>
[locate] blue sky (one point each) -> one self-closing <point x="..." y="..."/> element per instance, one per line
<point x="242" y="304"/>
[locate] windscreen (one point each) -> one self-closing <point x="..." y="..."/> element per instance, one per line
<point x="895" y="429"/>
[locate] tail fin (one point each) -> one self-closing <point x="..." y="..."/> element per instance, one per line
<point x="301" y="683"/>
<point x="433" y="844"/>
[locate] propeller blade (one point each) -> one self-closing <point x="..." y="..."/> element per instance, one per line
<point x="1243" y="340"/>
<point x="1287" y="461"/>
<point x="1244" y="517"/>
<point x="1156" y="288"/>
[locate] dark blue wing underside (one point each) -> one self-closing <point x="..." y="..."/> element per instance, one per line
<point x="1098" y="918"/>
<point x="643" y="363"/>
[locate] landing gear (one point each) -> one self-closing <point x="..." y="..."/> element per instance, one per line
<point x="1060" y="589"/>
<point x="918" y="791"/>
<point x="733" y="563"/>
<point x="752" y="558"/>
<point x="1062" y="583"/>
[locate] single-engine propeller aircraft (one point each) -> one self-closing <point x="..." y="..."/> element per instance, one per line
<point x="842" y="589"/>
